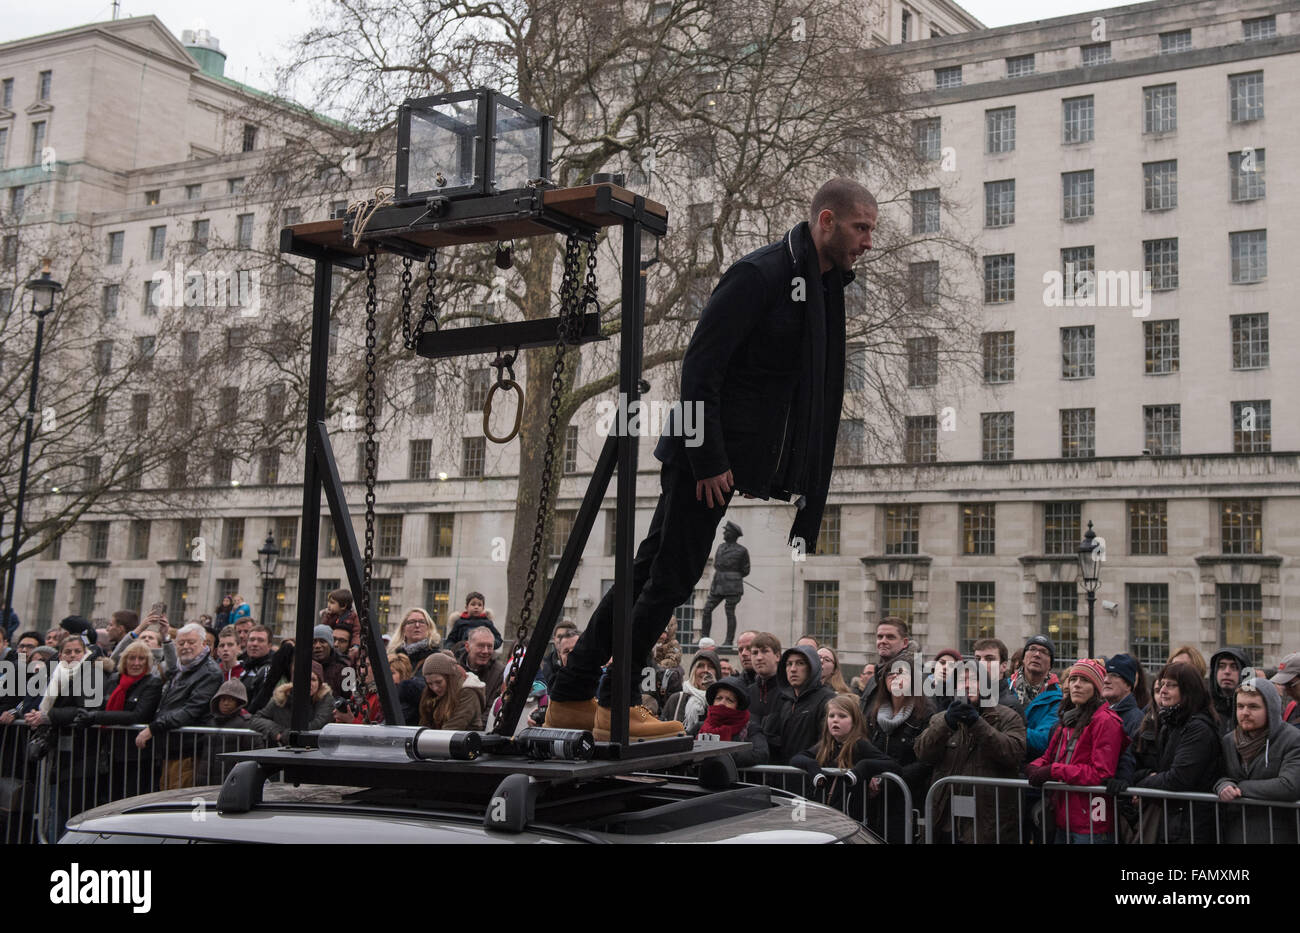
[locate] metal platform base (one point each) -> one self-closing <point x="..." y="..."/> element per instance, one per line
<point x="312" y="766"/>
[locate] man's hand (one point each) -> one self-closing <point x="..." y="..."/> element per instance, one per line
<point x="1230" y="793"/>
<point x="6" y="717"/>
<point x="715" y="487"/>
<point x="142" y="738"/>
<point x="35" y="718"/>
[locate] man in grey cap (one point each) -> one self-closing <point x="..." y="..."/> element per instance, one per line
<point x="1288" y="684"/>
<point x="730" y="567"/>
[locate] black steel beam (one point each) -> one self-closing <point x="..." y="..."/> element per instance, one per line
<point x="294" y="246"/>
<point x="489" y="338"/>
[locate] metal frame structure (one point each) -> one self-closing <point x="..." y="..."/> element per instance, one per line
<point x="412" y="232"/>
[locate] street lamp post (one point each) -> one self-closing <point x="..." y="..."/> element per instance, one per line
<point x="43" y="290"/>
<point x="268" y="557"/>
<point x="1091" y="554"/>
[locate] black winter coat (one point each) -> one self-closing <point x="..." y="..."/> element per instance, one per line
<point x="796" y="719"/>
<point x="1188" y="757"/>
<point x="766" y="367"/>
<point x="141" y="702"/>
<point x="186" y="696"/>
<point x="899" y="748"/>
<point x="867" y="763"/>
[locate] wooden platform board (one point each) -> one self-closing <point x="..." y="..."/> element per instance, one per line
<point x="578" y="203"/>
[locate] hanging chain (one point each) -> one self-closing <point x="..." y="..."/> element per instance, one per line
<point x="371" y="466"/>
<point x="571" y="309"/>
<point x="406" y="302"/>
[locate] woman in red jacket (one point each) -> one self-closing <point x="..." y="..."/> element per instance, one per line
<point x="1084" y="750"/>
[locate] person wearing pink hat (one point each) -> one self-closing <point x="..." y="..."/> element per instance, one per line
<point x="1084" y="750"/>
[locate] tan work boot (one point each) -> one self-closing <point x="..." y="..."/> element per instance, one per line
<point x="642" y="724"/>
<point x="571" y="714"/>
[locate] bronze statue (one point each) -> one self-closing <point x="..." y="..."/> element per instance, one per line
<point x="730" y="567"/>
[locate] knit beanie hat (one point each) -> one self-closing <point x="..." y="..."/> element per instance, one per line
<point x="1124" y="667"/>
<point x="439" y="663"/>
<point x="949" y="653"/>
<point x="1090" y="669"/>
<point x="318" y="671"/>
<point x="1043" y="642"/>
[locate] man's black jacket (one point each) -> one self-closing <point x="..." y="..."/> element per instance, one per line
<point x="767" y="362"/>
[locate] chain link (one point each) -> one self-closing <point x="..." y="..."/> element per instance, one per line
<point x="371" y="466"/>
<point x="406" y="303"/>
<point x="572" y="306"/>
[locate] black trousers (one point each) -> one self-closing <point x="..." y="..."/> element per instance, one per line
<point x="667" y="566"/>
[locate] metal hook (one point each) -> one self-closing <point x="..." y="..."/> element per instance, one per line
<point x="504" y="363"/>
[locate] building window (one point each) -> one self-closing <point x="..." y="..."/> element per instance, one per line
<point x="98" y="544"/>
<point x="244" y="225"/>
<point x="1097" y="54"/>
<point x="1000" y="203"/>
<point x="17" y="196"/>
<point x="442" y="527"/>
<point x="1160" y="185"/>
<point x="823" y="611"/>
<point x="98" y="414"/>
<point x="1180" y="40"/>
<point x="999" y="356"/>
<point x="1148" y="624"/>
<point x="1078" y="352"/>
<point x="111" y="298"/>
<point x="926" y="134"/>
<point x="286" y="535"/>
<point x="850" y="444"/>
<point x="157" y="243"/>
<point x="1076" y="195"/>
<point x="90" y="470"/>
<point x="420" y="460"/>
<point x="473" y="453"/>
<point x="1019" y="66"/>
<point x="103" y="357"/>
<point x="1058" y="605"/>
<point x="133" y="596"/>
<point x="223" y="466"/>
<point x="1062" y="532"/>
<point x="235" y="185"/>
<point x="902" y="529"/>
<point x="894" y="598"/>
<point x="116" y="241"/>
<point x="45" y="603"/>
<point x="1249" y="256"/>
<point x="828" y="536"/>
<point x="1160" y="262"/>
<point x="390" y="536"/>
<point x="38" y="142"/>
<point x="184" y="408"/>
<point x="1246" y="174"/>
<point x="1160" y="108"/>
<point x="925" y="211"/>
<point x="1249" y="341"/>
<point x="151" y="198"/>
<point x="149" y="301"/>
<point x="921" y="439"/>
<point x="1261" y="27"/>
<point x="1076" y="260"/>
<point x="140" y="412"/>
<point x="1000" y="130"/>
<point x="270" y="466"/>
<point x="1000" y="278"/>
<point x="193" y="192"/>
<point x="562" y="530"/>
<point x="477" y="384"/>
<point x="1241" y="526"/>
<point x="199" y="236"/>
<point x="570" y="449"/>
<point x="923" y="284"/>
<point x="1160" y="341"/>
<point x="1252" y="427"/>
<point x="997" y="436"/>
<point x="976" y="614"/>
<point x="1241" y="618"/>
<point x="906" y="27"/>
<point x="232" y="538"/>
<point x="1246" y="97"/>
<point x="437" y="600"/>
<point x="139" y="547"/>
<point x="855" y="367"/>
<point x="85" y="590"/>
<point x="977" y="528"/>
<point x="1162" y="429"/>
<point x="178" y="469"/>
<point x="1077" y="119"/>
<point x="922" y="361"/>
<point x="250" y="137"/>
<point x="1148" y="527"/>
<point x="43" y="81"/>
<point x="7" y="93"/>
<point x="947" y="77"/>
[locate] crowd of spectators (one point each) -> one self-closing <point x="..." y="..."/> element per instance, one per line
<point x="1218" y="726"/>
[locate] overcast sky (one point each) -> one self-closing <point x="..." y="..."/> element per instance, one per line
<point x="254" y="34"/>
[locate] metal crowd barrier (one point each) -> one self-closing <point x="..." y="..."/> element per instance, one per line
<point x="964" y="807"/>
<point x="80" y="768"/>
<point x="799" y="782"/>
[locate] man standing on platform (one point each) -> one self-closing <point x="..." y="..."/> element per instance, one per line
<point x="765" y="372"/>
